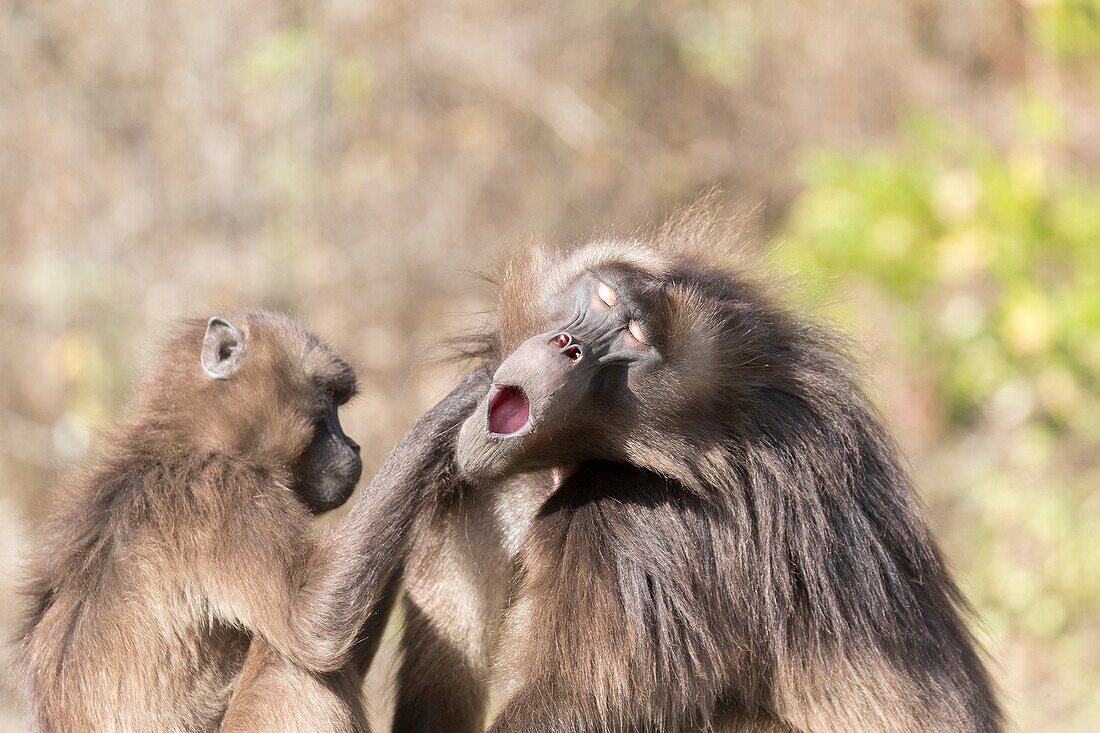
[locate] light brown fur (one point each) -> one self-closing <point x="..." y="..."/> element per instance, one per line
<point x="187" y="536"/>
<point x="181" y="538"/>
<point x="274" y="694"/>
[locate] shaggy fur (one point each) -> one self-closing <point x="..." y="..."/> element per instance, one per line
<point x="187" y="535"/>
<point x="734" y="546"/>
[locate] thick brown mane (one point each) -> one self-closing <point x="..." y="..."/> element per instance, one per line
<point x="738" y="545"/>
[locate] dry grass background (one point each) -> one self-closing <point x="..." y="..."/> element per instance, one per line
<point x="350" y="162"/>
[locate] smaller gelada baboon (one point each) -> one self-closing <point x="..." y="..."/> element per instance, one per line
<point x="187" y="536"/>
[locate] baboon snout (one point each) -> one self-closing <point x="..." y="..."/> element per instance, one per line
<point x="530" y="383"/>
<point x="533" y="392"/>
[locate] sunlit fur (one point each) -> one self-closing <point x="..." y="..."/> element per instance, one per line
<point x="184" y="536"/>
<point x="178" y="537"/>
<point x="740" y="549"/>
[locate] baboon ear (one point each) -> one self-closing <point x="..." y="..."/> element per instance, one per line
<point x="222" y="349"/>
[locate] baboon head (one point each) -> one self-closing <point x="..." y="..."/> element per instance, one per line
<point x="258" y="384"/>
<point x="611" y="353"/>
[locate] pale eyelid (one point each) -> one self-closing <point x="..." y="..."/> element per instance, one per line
<point x="636" y="331"/>
<point x="607" y="294"/>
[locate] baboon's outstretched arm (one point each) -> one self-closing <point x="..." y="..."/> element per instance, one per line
<point x="352" y="567"/>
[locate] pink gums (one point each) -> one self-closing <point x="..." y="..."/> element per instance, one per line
<point x="509" y="411"/>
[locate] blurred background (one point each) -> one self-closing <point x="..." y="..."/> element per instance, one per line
<point x="927" y="168"/>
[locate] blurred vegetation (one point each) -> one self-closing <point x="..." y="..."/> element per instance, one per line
<point x="928" y="169"/>
<point x="1069" y="28"/>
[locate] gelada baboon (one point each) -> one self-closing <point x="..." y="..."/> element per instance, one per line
<point x="188" y="535"/>
<point x="685" y="516"/>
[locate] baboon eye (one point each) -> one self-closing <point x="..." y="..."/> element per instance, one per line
<point x="607" y="294"/>
<point x="341" y="395"/>
<point x="636" y="332"/>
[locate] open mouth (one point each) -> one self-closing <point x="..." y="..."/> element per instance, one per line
<point x="509" y="411"/>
